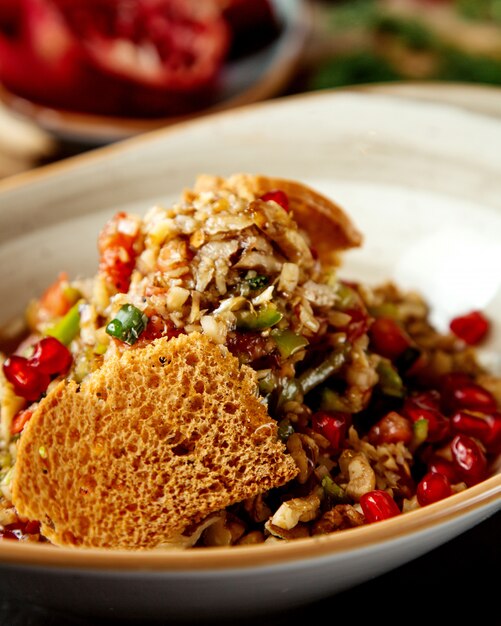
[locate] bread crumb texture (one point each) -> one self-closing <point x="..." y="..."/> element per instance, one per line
<point x="147" y="446"/>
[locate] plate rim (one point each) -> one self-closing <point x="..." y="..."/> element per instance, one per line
<point x="252" y="557"/>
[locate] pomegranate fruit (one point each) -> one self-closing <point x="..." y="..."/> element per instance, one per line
<point x="391" y="428"/>
<point x="468" y="459"/>
<point x="388" y="338"/>
<point x="472" y="327"/>
<point x="434" y="486"/>
<point x="278" y="196"/>
<point x="332" y="425"/>
<point x="148" y="59"/>
<point x="378" y="505"/>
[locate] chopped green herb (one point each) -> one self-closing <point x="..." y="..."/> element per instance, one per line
<point x="129" y="323"/>
<point x="257" y="282"/>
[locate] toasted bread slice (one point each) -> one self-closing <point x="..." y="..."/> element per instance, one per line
<point x="329" y="228"/>
<point x="148" y="445"/>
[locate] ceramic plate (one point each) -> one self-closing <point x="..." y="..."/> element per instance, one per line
<point x="420" y="180"/>
<point x="252" y="78"/>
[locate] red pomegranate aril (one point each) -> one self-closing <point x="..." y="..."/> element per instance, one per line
<point x="27" y="381"/>
<point x="438" y="425"/>
<point x="32" y="528"/>
<point x="51" y="356"/>
<point x="493" y="440"/>
<point x="8" y="534"/>
<point x="445" y="467"/>
<point x="358" y="324"/>
<point x="391" y="428"/>
<point x="461" y="392"/>
<point x="468" y="459"/>
<point x="278" y="196"/>
<point x="378" y="505"/>
<point x="472" y="327"/>
<point x="472" y="425"/>
<point x="332" y="426"/>
<point x="388" y="338"/>
<point x="433" y="487"/>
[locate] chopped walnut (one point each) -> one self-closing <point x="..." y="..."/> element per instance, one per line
<point x="252" y="538"/>
<point x="361" y="476"/>
<point x="290" y="513"/>
<point x="257" y="509"/>
<point x="224" y="532"/>
<point x="298" y="532"/>
<point x="304" y="450"/>
<point x="339" y="517"/>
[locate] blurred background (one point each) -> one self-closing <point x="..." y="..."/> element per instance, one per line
<point x="76" y="74"/>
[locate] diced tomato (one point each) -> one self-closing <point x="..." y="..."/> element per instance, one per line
<point x="20" y="421"/>
<point x="118" y="250"/>
<point x="54" y="300"/>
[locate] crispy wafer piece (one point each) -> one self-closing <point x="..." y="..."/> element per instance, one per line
<point x="329" y="228"/>
<point x="147" y="446"/>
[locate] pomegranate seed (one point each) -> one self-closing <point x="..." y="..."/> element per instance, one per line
<point x="471" y="328"/>
<point x="461" y="392"/>
<point x="423" y="406"/>
<point x="378" y="505"/>
<point x="8" y="534"/>
<point x="358" y="324"/>
<point x="443" y="466"/>
<point x="468" y="459"/>
<point x="472" y="425"/>
<point x="388" y="338"/>
<point x="493" y="440"/>
<point x="391" y="428"/>
<point x="32" y="528"/>
<point x="27" y="381"/>
<point x="433" y="487"/>
<point x="51" y="356"/>
<point x="332" y="426"/>
<point x="278" y="196"/>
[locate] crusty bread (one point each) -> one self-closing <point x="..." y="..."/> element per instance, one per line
<point x="148" y="445"/>
<point x="329" y="228"/>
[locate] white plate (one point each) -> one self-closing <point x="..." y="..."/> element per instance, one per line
<point x="407" y="172"/>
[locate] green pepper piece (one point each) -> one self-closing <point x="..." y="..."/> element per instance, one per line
<point x="332" y="489"/>
<point x="389" y="379"/>
<point x="71" y="294"/>
<point x="314" y="376"/>
<point x="291" y="389"/>
<point x="288" y="342"/>
<point x="347" y="297"/>
<point x="285" y="429"/>
<point x="129" y="323"/>
<point x="67" y="328"/>
<point x="387" y="309"/>
<point x="258" y="320"/>
<point x="332" y="401"/>
<point x="419" y="433"/>
<point x="267" y="384"/>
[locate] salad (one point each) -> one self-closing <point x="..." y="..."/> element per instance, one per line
<point x="380" y="413"/>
